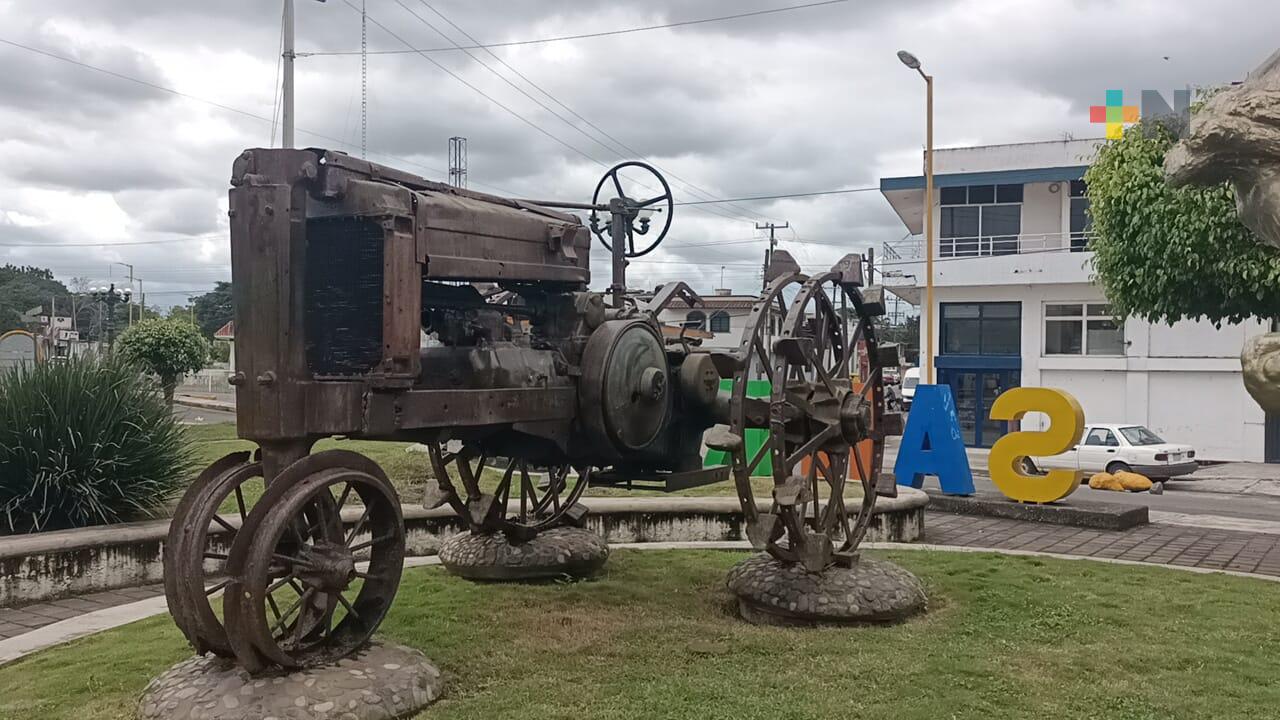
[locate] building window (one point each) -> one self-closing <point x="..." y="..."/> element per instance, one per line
<point x="1081" y="329"/>
<point x="1081" y="223"/>
<point x="719" y="321"/>
<point x="980" y="220"/>
<point x="981" y="328"/>
<point x="696" y="320"/>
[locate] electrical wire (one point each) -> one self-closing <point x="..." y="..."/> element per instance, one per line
<point x="108" y="245"/>
<point x="626" y="152"/>
<point x="228" y="108"/>
<point x="844" y="191"/>
<point x="493" y="100"/>
<point x="581" y="36"/>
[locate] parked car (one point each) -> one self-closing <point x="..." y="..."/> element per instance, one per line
<point x="1113" y="447"/>
<point x="909" y="382"/>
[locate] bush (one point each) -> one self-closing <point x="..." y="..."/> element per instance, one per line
<point x="83" y="442"/>
<point x="167" y="348"/>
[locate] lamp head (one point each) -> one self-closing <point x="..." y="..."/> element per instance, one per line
<point x="909" y="60"/>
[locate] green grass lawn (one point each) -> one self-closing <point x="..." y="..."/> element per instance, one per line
<point x="408" y="471"/>
<point x="1006" y="637"/>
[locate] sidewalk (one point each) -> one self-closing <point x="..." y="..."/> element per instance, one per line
<point x="207" y="401"/>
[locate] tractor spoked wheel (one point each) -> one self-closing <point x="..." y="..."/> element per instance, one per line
<point x="749" y="410"/>
<point x="820" y="424"/>
<point x="195" y="551"/>
<point x="308" y="590"/>
<point x="528" y="497"/>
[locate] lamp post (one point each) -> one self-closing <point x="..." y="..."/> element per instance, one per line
<point x="913" y="62"/>
<point x="111" y="296"/>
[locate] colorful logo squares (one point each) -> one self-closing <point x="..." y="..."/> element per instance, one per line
<point x="1115" y="114"/>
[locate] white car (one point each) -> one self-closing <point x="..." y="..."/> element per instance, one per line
<point x="1114" y="447"/>
<point x="909" y="382"/>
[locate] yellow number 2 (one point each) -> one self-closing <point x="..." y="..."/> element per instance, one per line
<point x="1066" y="423"/>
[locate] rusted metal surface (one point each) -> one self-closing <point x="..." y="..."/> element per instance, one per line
<point x="527" y="386"/>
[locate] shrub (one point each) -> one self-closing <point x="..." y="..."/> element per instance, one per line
<point x="83" y="442"/>
<point x="166" y="348"/>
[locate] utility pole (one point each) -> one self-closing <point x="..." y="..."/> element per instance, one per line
<point x="286" y="100"/>
<point x="364" y="80"/>
<point x="871" y="266"/>
<point x="286" y="84"/>
<point x="130" y="323"/>
<point x="773" y="243"/>
<point x="458" y="161"/>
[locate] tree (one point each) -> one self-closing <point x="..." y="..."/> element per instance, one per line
<point x="1168" y="254"/>
<point x="23" y="288"/>
<point x="166" y="348"/>
<point x="213" y="309"/>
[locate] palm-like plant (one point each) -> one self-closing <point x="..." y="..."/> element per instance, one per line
<point x="85" y="441"/>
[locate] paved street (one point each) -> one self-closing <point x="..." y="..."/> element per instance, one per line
<point x="202" y="416"/>
<point x="1215" y="496"/>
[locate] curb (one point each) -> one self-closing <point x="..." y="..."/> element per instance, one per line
<point x="204" y="404"/>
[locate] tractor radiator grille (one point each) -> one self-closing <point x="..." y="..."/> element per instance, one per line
<point x="343" y="296"/>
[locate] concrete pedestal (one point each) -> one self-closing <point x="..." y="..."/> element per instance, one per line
<point x="562" y="552"/>
<point x="379" y="683"/>
<point x="872" y="591"/>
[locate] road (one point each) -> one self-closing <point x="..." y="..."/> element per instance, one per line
<point x="201" y="416"/>
<point x="1177" y="498"/>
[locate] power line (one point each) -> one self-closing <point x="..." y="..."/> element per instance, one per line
<point x="582" y="36"/>
<point x="627" y="151"/>
<point x="221" y="106"/>
<point x="108" y="245"/>
<point x="490" y="98"/>
<point x="781" y="197"/>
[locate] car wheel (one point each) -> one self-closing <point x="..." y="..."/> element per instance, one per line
<point x="1029" y="467"/>
<point x="1118" y="466"/>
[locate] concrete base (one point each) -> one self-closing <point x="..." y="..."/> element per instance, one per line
<point x="379" y="683"/>
<point x="67" y="563"/>
<point x="562" y="552"/>
<point x="872" y="591"/>
<point x="1076" y="513"/>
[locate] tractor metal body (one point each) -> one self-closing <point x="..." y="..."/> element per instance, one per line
<point x="341" y="267"/>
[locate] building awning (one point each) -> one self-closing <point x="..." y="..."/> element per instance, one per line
<point x="226" y="332"/>
<point x="906" y="194"/>
<point x="911" y="294"/>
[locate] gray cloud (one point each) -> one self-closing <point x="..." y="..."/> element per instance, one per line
<point x="793" y="102"/>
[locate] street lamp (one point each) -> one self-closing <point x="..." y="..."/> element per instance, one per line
<point x="913" y="62"/>
<point x="111" y="296"/>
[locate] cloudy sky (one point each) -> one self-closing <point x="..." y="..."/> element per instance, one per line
<point x="800" y="101"/>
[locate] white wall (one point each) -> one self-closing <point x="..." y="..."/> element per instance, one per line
<point x="1015" y="156"/>
<point x="737" y="321"/>
<point x="1184" y="382"/>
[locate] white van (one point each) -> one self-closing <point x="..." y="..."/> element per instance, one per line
<point x="909" y="382"/>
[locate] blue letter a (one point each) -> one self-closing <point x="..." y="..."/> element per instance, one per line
<point x="931" y="443"/>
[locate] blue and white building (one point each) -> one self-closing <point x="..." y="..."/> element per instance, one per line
<point x="1015" y="305"/>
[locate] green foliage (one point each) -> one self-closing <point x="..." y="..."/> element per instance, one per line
<point x="84" y="442"/>
<point x="23" y="288"/>
<point x="1168" y="254"/>
<point x="167" y="348"/>
<point x="213" y="309"/>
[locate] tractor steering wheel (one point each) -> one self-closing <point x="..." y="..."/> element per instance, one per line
<point x="662" y="203"/>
